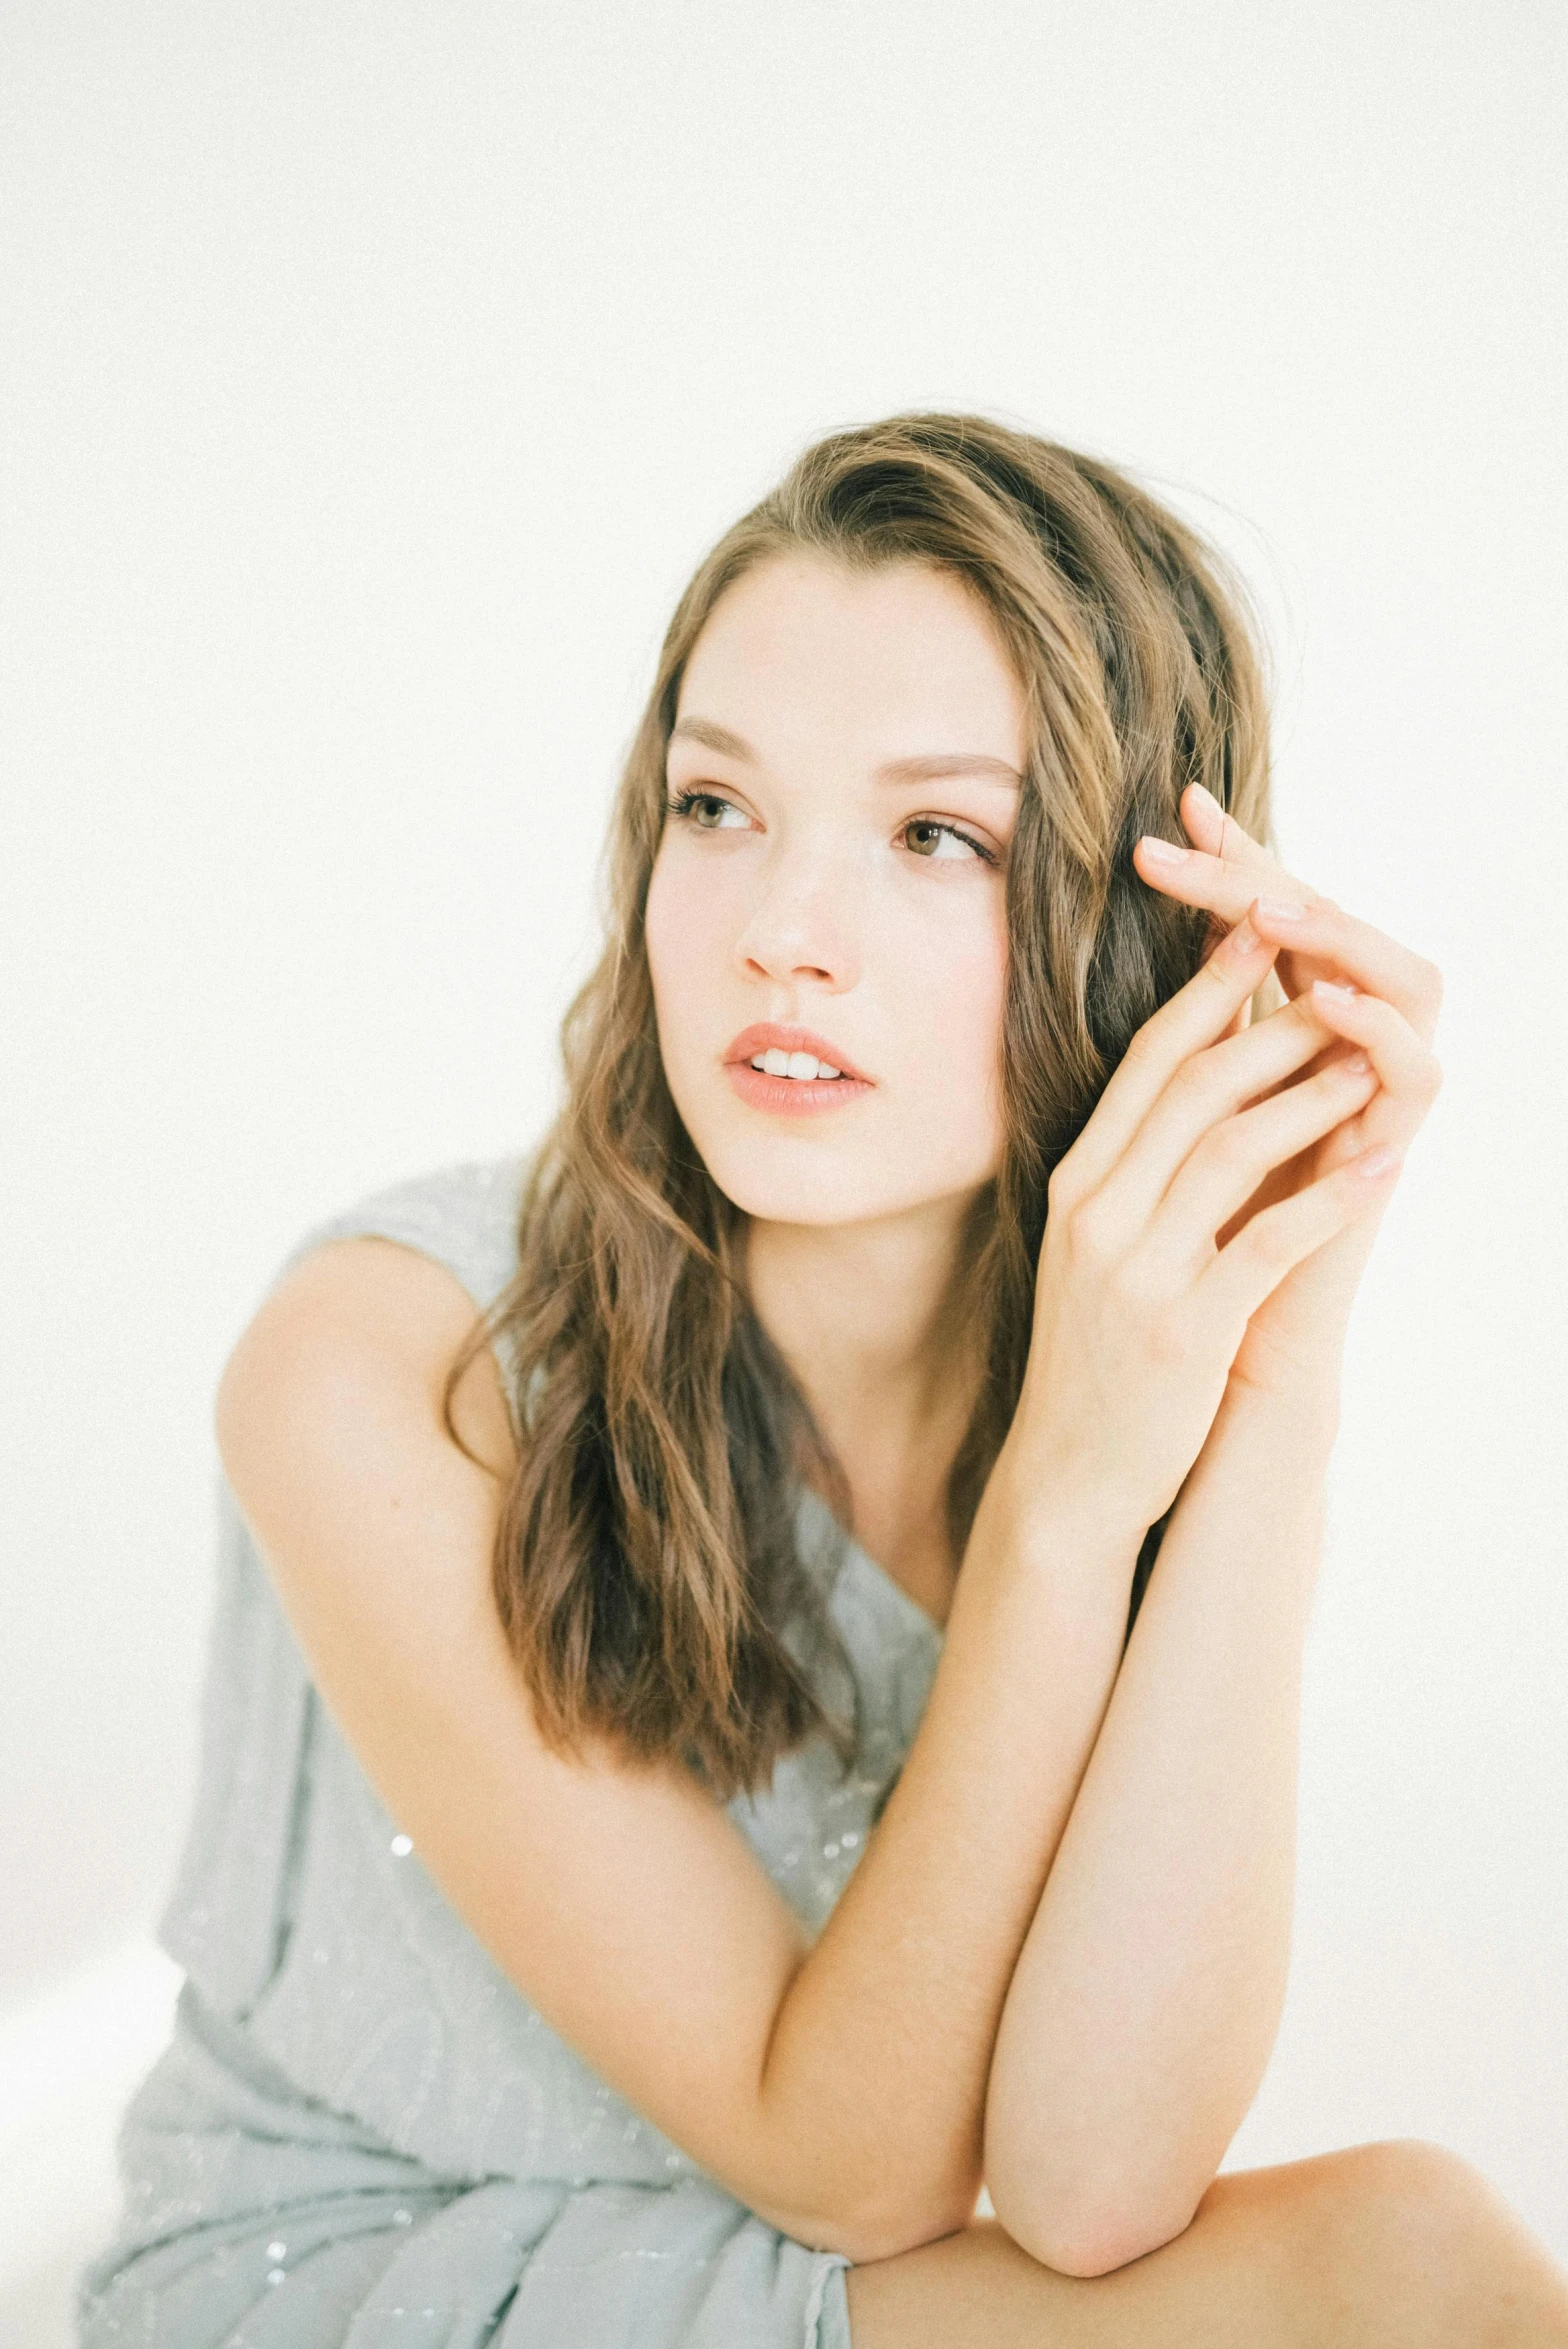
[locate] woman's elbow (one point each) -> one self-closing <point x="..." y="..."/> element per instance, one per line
<point x="1086" y="2234"/>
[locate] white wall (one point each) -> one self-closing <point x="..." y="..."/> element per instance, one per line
<point x="374" y="377"/>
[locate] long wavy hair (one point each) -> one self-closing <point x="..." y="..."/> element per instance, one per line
<point x="646" y="1565"/>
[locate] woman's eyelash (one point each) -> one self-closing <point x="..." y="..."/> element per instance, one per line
<point x="938" y="824"/>
<point x="683" y="802"/>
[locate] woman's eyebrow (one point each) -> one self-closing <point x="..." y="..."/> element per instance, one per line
<point x="923" y="768"/>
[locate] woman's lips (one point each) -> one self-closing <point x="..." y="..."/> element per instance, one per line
<point x="782" y="1036"/>
<point x="791" y="1096"/>
<point x="794" y="1096"/>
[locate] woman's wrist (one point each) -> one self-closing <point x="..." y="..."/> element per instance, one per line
<point x="1039" y="1508"/>
<point x="1043" y="1508"/>
<point x="1301" y="1410"/>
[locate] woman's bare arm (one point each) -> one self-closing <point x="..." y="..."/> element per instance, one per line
<point x="1145" y="2003"/>
<point x="1147" y="1996"/>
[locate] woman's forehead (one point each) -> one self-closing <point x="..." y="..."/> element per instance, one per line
<point x="905" y="659"/>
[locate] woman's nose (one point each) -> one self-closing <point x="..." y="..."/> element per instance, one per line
<point x="801" y="923"/>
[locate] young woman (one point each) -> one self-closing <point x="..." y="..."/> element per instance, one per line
<point x="792" y="1715"/>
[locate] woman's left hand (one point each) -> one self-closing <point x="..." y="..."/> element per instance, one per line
<point x="1371" y="995"/>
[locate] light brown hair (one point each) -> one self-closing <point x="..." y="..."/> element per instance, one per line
<point x="645" y="1565"/>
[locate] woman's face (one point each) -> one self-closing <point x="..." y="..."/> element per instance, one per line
<point x="847" y="754"/>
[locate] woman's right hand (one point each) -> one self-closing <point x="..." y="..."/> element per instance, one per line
<point x="1139" y="1312"/>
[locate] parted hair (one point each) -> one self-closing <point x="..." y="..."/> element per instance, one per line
<point x="645" y="1565"/>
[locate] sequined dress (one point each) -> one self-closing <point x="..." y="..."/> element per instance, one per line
<point x="362" y="2136"/>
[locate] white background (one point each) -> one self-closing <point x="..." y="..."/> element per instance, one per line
<point x="373" y="379"/>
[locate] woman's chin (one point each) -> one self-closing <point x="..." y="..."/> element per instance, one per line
<point x="767" y="1198"/>
<point x="766" y="1187"/>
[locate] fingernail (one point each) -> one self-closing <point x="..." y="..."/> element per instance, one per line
<point x="1204" y="792"/>
<point x="1161" y="852"/>
<point x="1243" y="940"/>
<point x="1275" y="909"/>
<point x="1378" y="1162"/>
<point x="1357" y="1065"/>
<point x="1332" y="987"/>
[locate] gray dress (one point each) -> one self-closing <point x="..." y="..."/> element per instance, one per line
<point x="362" y="2136"/>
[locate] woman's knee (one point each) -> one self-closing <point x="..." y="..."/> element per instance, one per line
<point x="1415" y="2193"/>
<point x="1407" y="2218"/>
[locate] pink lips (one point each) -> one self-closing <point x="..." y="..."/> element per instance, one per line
<point x="771" y="1036"/>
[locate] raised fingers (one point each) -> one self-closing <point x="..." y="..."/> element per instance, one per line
<point x="1229" y="875"/>
<point x="1408" y="1074"/>
<point x="1209" y="826"/>
<point x="1231" y="1162"/>
<point x="1370" y="957"/>
<point x="1223" y="871"/>
<point x="1206" y="1089"/>
<point x="1192" y="1019"/>
<point x="1272" y="1243"/>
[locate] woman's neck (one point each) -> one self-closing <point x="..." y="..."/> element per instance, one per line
<point x="867" y="1319"/>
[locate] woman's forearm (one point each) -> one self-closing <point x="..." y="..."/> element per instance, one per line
<point x="1147" y="1994"/>
<point x="882" y="2047"/>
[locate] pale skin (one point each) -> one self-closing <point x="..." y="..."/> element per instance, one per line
<point x="1058" y="1967"/>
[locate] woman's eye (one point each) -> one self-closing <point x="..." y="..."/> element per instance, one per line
<point x="705" y="809"/>
<point x="937" y="843"/>
<point x="942" y="842"/>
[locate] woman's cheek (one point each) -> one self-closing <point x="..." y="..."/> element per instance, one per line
<point x="953" y="988"/>
<point x="684" y="926"/>
<point x="677" y="931"/>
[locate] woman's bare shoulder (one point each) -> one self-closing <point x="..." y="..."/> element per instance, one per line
<point x="358" y="1326"/>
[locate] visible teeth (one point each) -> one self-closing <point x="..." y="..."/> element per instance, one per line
<point x="802" y="1066"/>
